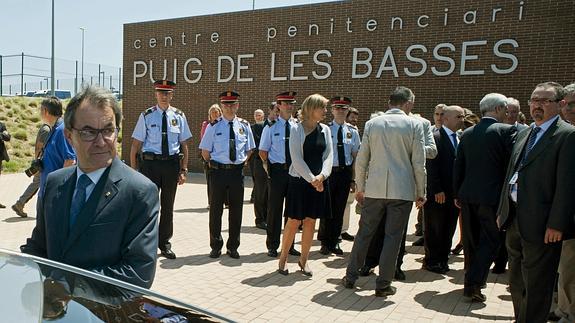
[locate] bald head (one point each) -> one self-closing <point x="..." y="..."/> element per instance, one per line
<point x="453" y="117"/>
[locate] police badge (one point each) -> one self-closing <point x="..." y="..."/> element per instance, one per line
<point x="348" y="135"/>
<point x="241" y="131"/>
<point x="174" y="122"/>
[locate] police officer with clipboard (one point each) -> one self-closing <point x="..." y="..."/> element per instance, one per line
<point x="161" y="133"/>
<point x="226" y="145"/>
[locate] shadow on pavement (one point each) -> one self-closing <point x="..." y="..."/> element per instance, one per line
<point x="224" y="260"/>
<point x="435" y="301"/>
<point x="348" y="299"/>
<point x="16" y="219"/>
<point x="276" y="279"/>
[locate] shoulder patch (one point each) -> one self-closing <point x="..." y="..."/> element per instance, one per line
<point x="178" y="112"/>
<point x="149" y="110"/>
<point x="244" y="121"/>
<point x="351" y="126"/>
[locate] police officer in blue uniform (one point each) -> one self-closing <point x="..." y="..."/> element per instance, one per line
<point x="346" y="143"/>
<point x="274" y="150"/>
<point x="226" y="145"/>
<point x="161" y="134"/>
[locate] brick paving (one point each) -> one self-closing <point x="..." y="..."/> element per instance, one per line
<point x="249" y="289"/>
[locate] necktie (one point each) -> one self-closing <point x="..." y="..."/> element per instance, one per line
<point x="232" y="142"/>
<point x="286" y="144"/>
<point x="530" y="144"/>
<point x="340" y="150"/>
<point x="79" y="198"/>
<point x="454" y="136"/>
<point x="165" y="151"/>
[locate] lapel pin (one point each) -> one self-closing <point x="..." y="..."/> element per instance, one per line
<point x="107" y="194"/>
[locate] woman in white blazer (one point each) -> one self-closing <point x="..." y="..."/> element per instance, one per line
<point x="308" y="194"/>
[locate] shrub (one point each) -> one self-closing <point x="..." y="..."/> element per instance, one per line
<point x="20" y="135"/>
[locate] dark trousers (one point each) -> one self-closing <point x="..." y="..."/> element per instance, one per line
<point x="481" y="241"/>
<point x="500" y="261"/>
<point x="260" y="191"/>
<point x="30" y="191"/>
<point x="278" y="187"/>
<point x="439" y="226"/>
<point x="226" y="183"/>
<point x="419" y="224"/>
<point x="330" y="228"/>
<point x="207" y="173"/>
<point x="532" y="269"/>
<point x="164" y="173"/>
<point x="376" y="245"/>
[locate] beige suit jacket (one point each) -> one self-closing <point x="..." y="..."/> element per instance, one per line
<point x="391" y="161"/>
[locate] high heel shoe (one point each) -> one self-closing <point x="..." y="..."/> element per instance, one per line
<point x="305" y="269"/>
<point x="457" y="250"/>
<point x="283" y="271"/>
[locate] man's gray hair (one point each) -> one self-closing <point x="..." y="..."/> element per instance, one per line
<point x="570" y="89"/>
<point x="513" y="101"/>
<point x="95" y="95"/>
<point x="492" y="101"/>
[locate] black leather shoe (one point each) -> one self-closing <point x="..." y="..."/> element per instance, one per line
<point x="458" y="248"/>
<point x="365" y="271"/>
<point x="233" y="253"/>
<point x="168" y="253"/>
<point x="438" y="269"/>
<point x="272" y="253"/>
<point x="324" y="250"/>
<point x="399" y="274"/>
<point x="346" y="283"/>
<point x="347" y="237"/>
<point x="475" y="296"/>
<point x="419" y="242"/>
<point x="215" y="253"/>
<point x="336" y="250"/>
<point x="445" y="267"/>
<point x="384" y="292"/>
<point x="262" y="225"/>
<point x="553" y="317"/>
<point x="2" y="206"/>
<point x="294" y="252"/>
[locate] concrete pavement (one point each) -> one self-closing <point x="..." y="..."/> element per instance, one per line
<point x="249" y="289"/>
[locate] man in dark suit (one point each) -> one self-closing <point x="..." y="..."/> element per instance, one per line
<point x="440" y="211"/>
<point x="259" y="175"/>
<point x="4" y="136"/>
<point x="537" y="205"/>
<point x="99" y="215"/>
<point x="482" y="157"/>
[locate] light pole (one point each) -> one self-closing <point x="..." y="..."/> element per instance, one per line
<point x="52" y="72"/>
<point x="46" y="79"/>
<point x="83" y="29"/>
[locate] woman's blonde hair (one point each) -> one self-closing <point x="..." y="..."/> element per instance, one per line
<point x="212" y="108"/>
<point x="312" y="102"/>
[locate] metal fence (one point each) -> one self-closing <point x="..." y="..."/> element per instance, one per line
<point x="21" y="74"/>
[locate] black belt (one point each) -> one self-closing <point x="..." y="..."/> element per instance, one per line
<point x="152" y="156"/>
<point x="216" y="165"/>
<point x="278" y="165"/>
<point x="337" y="169"/>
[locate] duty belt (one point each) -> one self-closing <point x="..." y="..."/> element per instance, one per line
<point x="278" y="165"/>
<point x="216" y="165"/>
<point x="337" y="169"/>
<point x="152" y="156"/>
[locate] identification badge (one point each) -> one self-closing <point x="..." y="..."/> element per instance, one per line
<point x="348" y="135"/>
<point x="513" y="179"/>
<point x="241" y="131"/>
<point x="174" y="122"/>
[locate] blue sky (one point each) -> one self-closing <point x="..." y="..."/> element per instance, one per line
<point x="30" y="20"/>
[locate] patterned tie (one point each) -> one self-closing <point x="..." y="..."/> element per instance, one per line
<point x="454" y="136"/>
<point x="340" y="150"/>
<point x="79" y="198"/>
<point x="530" y="144"/>
<point x="232" y="142"/>
<point x="286" y="144"/>
<point x="165" y="151"/>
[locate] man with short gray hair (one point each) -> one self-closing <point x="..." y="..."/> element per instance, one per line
<point x="513" y="110"/>
<point x="479" y="170"/>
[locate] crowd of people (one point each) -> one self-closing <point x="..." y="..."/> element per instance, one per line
<point x="507" y="183"/>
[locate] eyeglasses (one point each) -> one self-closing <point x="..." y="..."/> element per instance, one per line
<point x="438" y="114"/>
<point x="91" y="134"/>
<point x="542" y="101"/>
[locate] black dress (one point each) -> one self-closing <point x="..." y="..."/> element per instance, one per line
<point x="302" y="200"/>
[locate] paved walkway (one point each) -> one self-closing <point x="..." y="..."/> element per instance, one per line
<point x="249" y="289"/>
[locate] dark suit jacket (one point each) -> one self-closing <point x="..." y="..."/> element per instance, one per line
<point x="440" y="169"/>
<point x="257" y="129"/>
<point x="116" y="233"/>
<point x="546" y="190"/>
<point x="3" y="137"/>
<point x="482" y="158"/>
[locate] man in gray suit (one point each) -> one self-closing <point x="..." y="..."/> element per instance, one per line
<point x="99" y="215"/>
<point x="537" y="205"/>
<point x="393" y="153"/>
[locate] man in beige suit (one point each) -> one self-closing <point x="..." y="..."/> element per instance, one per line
<point x="393" y="153"/>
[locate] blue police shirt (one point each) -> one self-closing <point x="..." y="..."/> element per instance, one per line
<point x="56" y="151"/>
<point x="148" y="130"/>
<point x="351" y="142"/>
<point x="273" y="140"/>
<point x="216" y="140"/>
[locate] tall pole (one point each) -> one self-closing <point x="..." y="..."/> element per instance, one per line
<point x="83" y="29"/>
<point x="52" y="72"/>
<point x="253" y="4"/>
<point x="1" y="87"/>
<point x="22" y="76"/>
